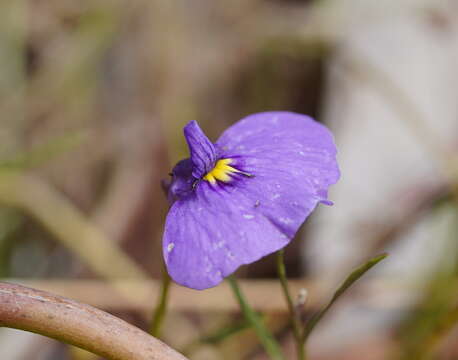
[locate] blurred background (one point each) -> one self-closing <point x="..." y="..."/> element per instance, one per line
<point x="93" y="98"/>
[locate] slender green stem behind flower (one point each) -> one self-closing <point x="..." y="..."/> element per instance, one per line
<point x="161" y="308"/>
<point x="268" y="341"/>
<point x="295" y="318"/>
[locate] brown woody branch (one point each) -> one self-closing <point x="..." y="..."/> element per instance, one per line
<point x="78" y="324"/>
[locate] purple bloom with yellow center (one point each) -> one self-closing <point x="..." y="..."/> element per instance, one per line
<point x="246" y="195"/>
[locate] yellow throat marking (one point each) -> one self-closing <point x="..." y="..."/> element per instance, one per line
<point x="221" y="172"/>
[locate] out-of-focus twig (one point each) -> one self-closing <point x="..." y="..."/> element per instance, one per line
<point x="263" y="295"/>
<point x="70" y="226"/>
<point x="62" y="219"/>
<point x="426" y="198"/>
<point x="78" y="324"/>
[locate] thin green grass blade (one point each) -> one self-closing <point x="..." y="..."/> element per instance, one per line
<point x="223" y="333"/>
<point x="218" y="336"/>
<point x="349" y="281"/>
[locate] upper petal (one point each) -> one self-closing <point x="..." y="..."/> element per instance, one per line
<point x="284" y="147"/>
<point x="203" y="152"/>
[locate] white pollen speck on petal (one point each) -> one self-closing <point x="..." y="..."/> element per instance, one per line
<point x="248" y="216"/>
<point x="285" y="221"/>
<point x="275" y="196"/>
<point x="301" y="153"/>
<point x="170" y="247"/>
<point x="208" y="264"/>
<point x="219" y="244"/>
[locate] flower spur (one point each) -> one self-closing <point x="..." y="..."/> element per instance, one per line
<point x="245" y="196"/>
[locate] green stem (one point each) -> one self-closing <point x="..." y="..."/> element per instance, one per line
<point x="161" y="308"/>
<point x="294" y="316"/>
<point x="267" y="340"/>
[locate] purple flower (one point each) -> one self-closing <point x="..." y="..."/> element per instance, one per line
<point x="245" y="196"/>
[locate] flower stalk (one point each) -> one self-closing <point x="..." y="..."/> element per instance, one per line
<point x="161" y="308"/>
<point x="295" y="319"/>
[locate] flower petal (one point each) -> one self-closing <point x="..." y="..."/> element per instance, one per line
<point x="203" y="152"/>
<point x="291" y="153"/>
<point x="209" y="235"/>
<point x="219" y="227"/>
